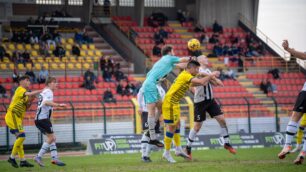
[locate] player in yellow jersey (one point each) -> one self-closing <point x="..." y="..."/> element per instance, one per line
<point x="299" y="135"/>
<point x="171" y="107"/>
<point x="14" y="118"/>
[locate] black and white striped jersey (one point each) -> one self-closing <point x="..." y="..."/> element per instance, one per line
<point x="44" y="111"/>
<point x="203" y="92"/>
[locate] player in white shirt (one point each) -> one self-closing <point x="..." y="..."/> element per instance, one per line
<point x="43" y="123"/>
<point x="145" y="146"/>
<point x="298" y="111"/>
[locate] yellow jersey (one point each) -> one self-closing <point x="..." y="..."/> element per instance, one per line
<point x="179" y="88"/>
<point x="18" y="104"/>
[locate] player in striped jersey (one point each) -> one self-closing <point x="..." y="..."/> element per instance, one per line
<point x="204" y="102"/>
<point x="14" y="118"/>
<point x="298" y="111"/>
<point x="43" y="123"/>
<point x="171" y="107"/>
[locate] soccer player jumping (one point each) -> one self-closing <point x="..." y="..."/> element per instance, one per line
<point x="298" y="111"/>
<point x="151" y="96"/>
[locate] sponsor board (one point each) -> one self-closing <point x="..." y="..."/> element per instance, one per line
<point x="118" y="144"/>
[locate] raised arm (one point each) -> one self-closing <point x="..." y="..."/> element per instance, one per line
<point x="293" y="52"/>
<point x="32" y="93"/>
<point x="51" y="103"/>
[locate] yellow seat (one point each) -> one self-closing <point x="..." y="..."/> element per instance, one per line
<point x="48" y="59"/>
<point x="67" y="53"/>
<point x="68" y="47"/>
<point x="63" y="40"/>
<point x="92" y="46"/>
<point x="45" y="65"/>
<point x="90" y="53"/>
<point x="56" y="59"/>
<point x="9" y="52"/>
<point x="86" y="66"/>
<point x="34" y="53"/>
<point x="78" y="66"/>
<point x="64" y="59"/>
<point x="6" y="60"/>
<point x="81" y="59"/>
<point x="11" y="66"/>
<point x="98" y="53"/>
<point x="88" y="60"/>
<point x="20" y="47"/>
<point x="3" y="66"/>
<point x="62" y="66"/>
<point x="20" y="67"/>
<point x="83" y="53"/>
<point x="36" y="47"/>
<point x="54" y="66"/>
<point x="84" y="47"/>
<point x="28" y="65"/>
<point x="52" y="47"/>
<point x="72" y="59"/>
<point x="70" y="41"/>
<point x="37" y="66"/>
<point x="96" y="58"/>
<point x="70" y="66"/>
<point x="11" y="46"/>
<point x="28" y="47"/>
<point x="39" y="59"/>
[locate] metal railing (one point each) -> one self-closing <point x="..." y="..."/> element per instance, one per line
<point x="85" y="120"/>
<point x="284" y="54"/>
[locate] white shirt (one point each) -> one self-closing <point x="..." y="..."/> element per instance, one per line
<point x="141" y="101"/>
<point x="203" y="92"/>
<point x="304" y="87"/>
<point x="44" y="111"/>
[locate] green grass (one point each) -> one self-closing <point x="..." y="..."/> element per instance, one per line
<point x="261" y="159"/>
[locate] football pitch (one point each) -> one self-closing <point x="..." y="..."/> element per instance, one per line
<point x="259" y="160"/>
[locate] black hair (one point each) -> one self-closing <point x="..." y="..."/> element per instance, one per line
<point x="23" y="78"/>
<point x="193" y="63"/>
<point x="166" y="50"/>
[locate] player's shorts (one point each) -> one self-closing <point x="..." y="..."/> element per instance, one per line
<point x="145" y="126"/>
<point x="171" y="113"/>
<point x="44" y="126"/>
<point x="210" y="106"/>
<point x="300" y="103"/>
<point x="14" y="123"/>
<point x="150" y="93"/>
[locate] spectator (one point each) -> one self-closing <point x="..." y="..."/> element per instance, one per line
<point x="108" y="96"/>
<point x="78" y="37"/>
<point x="217" y="50"/>
<point x="43" y="75"/>
<point x="14" y="87"/>
<point x="217" y="28"/>
<point x="203" y="38"/>
<point x="231" y="74"/>
<point x="110" y="65"/>
<point x="240" y="64"/>
<point x="266" y="86"/>
<point x="27" y="58"/>
<point x="119" y="75"/>
<point x="107" y="76"/>
<point x="103" y="63"/>
<point x="57" y="37"/>
<point x="89" y="79"/>
<point x="198" y="28"/>
<point x="222" y="76"/>
<point x="106" y="7"/>
<point x="152" y="22"/>
<point x="76" y="50"/>
<point x="180" y="16"/>
<point x="275" y="73"/>
<point x="31" y="74"/>
<point x="164" y="34"/>
<point x="156" y="50"/>
<point x="86" y="38"/>
<point x="59" y="51"/>
<point x="47" y="38"/>
<point x="119" y="89"/>
<point x="129" y="89"/>
<point x="214" y="39"/>
<point x="33" y="38"/>
<point x="2" y="92"/>
<point x="15" y="76"/>
<point x="44" y="50"/>
<point x="158" y="38"/>
<point x="2" y="52"/>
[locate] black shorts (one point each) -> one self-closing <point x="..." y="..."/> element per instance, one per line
<point x="44" y="126"/>
<point x="144" y="120"/>
<point x="300" y="104"/>
<point x="210" y="106"/>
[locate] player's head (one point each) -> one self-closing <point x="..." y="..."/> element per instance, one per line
<point x="24" y="81"/>
<point x="193" y="67"/>
<point x="202" y="60"/>
<point x="51" y="82"/>
<point x="167" y="50"/>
